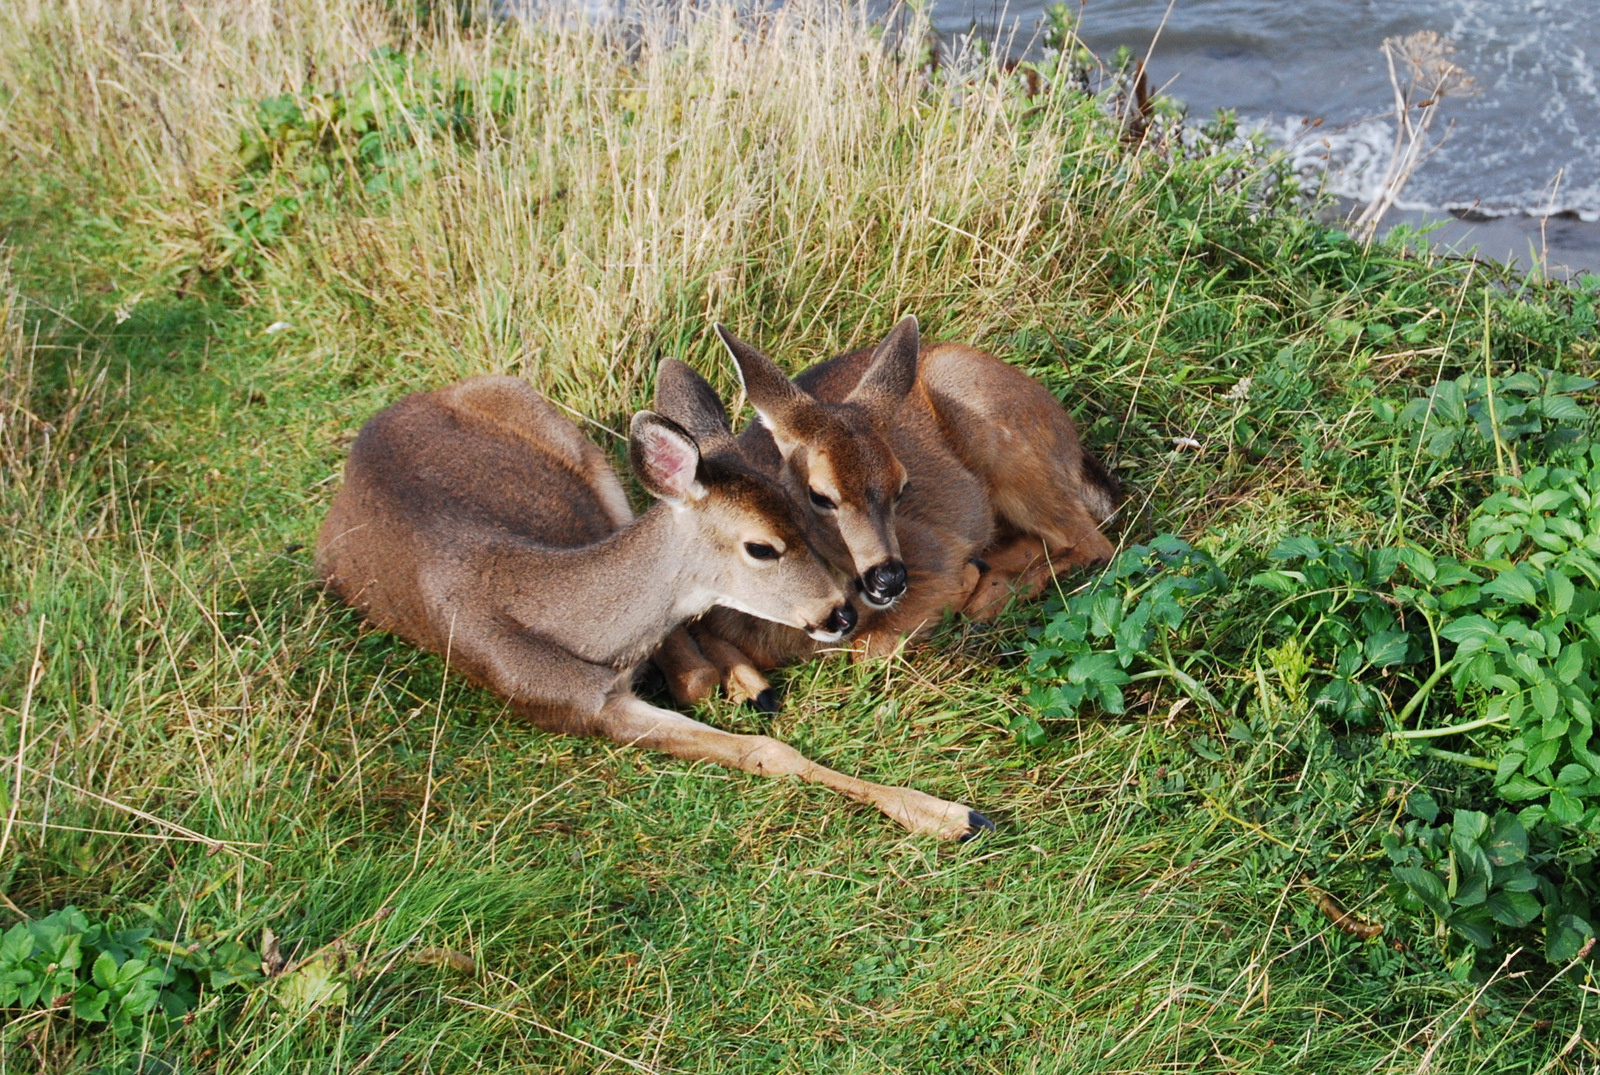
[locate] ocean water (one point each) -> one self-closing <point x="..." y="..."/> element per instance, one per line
<point x="1528" y="143"/>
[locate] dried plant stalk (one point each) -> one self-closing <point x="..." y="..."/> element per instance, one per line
<point x="1431" y="75"/>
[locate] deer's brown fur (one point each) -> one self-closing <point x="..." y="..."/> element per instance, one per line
<point x="477" y="522"/>
<point x="995" y="492"/>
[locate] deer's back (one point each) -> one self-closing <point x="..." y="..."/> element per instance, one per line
<point x="1002" y="425"/>
<point x="1011" y="430"/>
<point x="994" y="414"/>
<point x="982" y="405"/>
<point x="440" y="480"/>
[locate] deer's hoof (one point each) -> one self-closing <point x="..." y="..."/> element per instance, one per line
<point x="977" y="825"/>
<point x="767" y="701"/>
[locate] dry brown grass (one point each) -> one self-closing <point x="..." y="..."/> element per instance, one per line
<point x="637" y="190"/>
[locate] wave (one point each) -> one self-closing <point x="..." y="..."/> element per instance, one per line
<point x="1350" y="162"/>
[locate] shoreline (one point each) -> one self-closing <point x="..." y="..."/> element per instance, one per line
<point x="1558" y="247"/>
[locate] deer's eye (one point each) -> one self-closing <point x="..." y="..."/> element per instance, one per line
<point x="760" y="550"/>
<point x="820" y="502"/>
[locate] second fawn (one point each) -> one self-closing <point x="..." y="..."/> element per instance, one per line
<point x="477" y="522"/>
<point x="941" y="478"/>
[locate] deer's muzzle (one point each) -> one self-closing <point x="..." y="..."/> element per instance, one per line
<point x="840" y="622"/>
<point x="882" y="585"/>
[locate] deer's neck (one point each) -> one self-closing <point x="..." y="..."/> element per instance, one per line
<point x="615" y="601"/>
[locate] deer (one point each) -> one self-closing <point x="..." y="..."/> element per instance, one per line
<point x="477" y="522"/>
<point x="941" y="479"/>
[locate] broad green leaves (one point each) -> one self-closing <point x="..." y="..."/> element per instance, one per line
<point x="1427" y="887"/>
<point x="1473" y="875"/>
<point x="1529" y="648"/>
<point x="1082" y="656"/>
<point x="1518" y="640"/>
<point x="119" y="978"/>
<point x="1525" y="405"/>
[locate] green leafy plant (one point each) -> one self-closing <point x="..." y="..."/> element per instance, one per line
<point x="119" y="978"/>
<point x="1334" y="600"/>
<point x="1534" y="405"/>
<point x="1376" y="632"/>
<point x="1530" y="642"/>
<point x="1487" y="876"/>
<point x="1084" y="652"/>
<point x="1479" y="875"/>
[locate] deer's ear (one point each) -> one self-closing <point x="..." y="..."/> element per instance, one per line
<point x="890" y="375"/>
<point x="781" y="405"/>
<point x="665" y="458"/>
<point x="685" y="397"/>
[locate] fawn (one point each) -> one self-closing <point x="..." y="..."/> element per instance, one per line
<point x="941" y="478"/>
<point x="477" y="522"/>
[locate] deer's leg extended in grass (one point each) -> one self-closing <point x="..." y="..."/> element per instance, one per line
<point x="564" y="694"/>
<point x="628" y="719"/>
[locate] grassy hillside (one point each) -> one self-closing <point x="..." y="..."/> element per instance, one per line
<point x="233" y="231"/>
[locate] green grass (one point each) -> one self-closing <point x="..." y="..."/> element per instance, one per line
<point x="209" y="743"/>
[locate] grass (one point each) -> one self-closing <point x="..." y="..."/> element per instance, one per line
<point x="234" y="231"/>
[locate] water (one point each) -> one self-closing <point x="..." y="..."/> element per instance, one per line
<point x="1527" y="148"/>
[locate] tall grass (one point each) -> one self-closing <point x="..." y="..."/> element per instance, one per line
<point x="237" y="229"/>
<point x="786" y="173"/>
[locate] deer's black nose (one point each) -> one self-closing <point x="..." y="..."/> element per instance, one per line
<point x="882" y="584"/>
<point x="843" y="619"/>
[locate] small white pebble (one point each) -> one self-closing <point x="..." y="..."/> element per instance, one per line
<point x="1186" y="444"/>
<point x="278" y="326"/>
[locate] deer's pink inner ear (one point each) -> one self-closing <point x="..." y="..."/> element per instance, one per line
<point x="671" y="460"/>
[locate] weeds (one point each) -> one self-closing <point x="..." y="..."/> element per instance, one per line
<point x="1431" y="76"/>
<point x="1363" y="637"/>
<point x="120" y="978"/>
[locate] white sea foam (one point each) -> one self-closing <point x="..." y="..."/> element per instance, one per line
<point x="1527" y="146"/>
<point x="1534" y="125"/>
<point x="1350" y="162"/>
<point x="1347" y="162"/>
<point x="1538" y="63"/>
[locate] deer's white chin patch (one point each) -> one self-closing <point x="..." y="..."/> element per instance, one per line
<point x="739" y="606"/>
